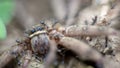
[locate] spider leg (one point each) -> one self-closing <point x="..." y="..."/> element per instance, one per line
<point x="87" y="30"/>
<point x="82" y="50"/>
<point x="9" y="55"/>
<point x="52" y="54"/>
<point x="27" y="59"/>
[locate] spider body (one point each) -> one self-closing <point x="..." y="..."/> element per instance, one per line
<point x="39" y="40"/>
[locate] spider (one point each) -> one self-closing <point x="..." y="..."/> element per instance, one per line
<point x="45" y="39"/>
